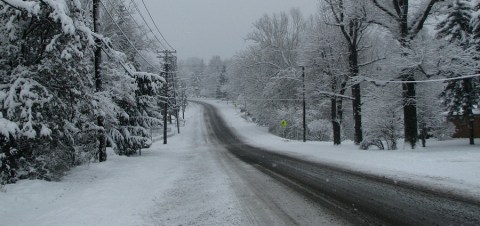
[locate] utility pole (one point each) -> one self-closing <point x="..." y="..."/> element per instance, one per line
<point x="167" y="62"/>
<point x="176" y="108"/>
<point x="102" y="143"/>
<point x="184" y="102"/>
<point x="165" y="105"/>
<point x="304" y="107"/>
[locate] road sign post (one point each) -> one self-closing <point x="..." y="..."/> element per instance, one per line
<point x="284" y="125"/>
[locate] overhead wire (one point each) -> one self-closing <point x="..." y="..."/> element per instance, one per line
<point x="155" y="24"/>
<point x="146" y="23"/>
<point x="135" y="21"/>
<point x="163" y="47"/>
<point x="418" y="81"/>
<point x="129" y="41"/>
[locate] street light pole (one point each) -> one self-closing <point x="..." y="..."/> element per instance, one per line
<point x="304" y="113"/>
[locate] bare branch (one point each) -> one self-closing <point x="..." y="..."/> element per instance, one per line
<point x="340" y="20"/>
<point x="10" y="5"/>
<point x="265" y="63"/>
<point x="396" y="5"/>
<point x="371" y="62"/>
<point x="378" y="23"/>
<point x="378" y="5"/>
<point x="419" y="24"/>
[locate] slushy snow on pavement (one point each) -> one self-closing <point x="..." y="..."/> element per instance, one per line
<point x="452" y="166"/>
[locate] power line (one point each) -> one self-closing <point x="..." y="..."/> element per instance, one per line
<point x="133" y="19"/>
<point x="146" y="23"/>
<point x="125" y="67"/>
<point x="382" y="82"/>
<point x="155" y="24"/>
<point x="131" y="43"/>
<point x="163" y="47"/>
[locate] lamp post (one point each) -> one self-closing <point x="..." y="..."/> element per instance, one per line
<point x="303" y="102"/>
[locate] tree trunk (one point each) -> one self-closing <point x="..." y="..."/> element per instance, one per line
<point x="468" y="109"/>
<point x="410" y="113"/>
<point x="423" y="134"/>
<point x="409" y="93"/>
<point x="335" y="122"/>
<point x="410" y="120"/>
<point x="471" y="125"/>
<point x="357" y="102"/>
<point x="102" y="144"/>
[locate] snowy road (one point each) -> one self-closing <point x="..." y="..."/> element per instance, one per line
<point x="219" y="189"/>
<point x="367" y="198"/>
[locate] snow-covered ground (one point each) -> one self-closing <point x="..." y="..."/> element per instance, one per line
<point x="174" y="184"/>
<point x="453" y="165"/>
<point x="183" y="183"/>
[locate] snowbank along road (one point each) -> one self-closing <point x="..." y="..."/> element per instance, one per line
<point x="362" y="199"/>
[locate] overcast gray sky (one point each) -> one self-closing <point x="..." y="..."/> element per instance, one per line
<point x="204" y="28"/>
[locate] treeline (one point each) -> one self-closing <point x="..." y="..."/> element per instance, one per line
<point x="202" y="79"/>
<point x="375" y="71"/>
<point x="48" y="100"/>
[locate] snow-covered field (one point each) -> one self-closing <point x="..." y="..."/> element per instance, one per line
<point x="453" y="165"/>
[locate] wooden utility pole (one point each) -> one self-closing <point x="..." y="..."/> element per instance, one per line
<point x="102" y="143"/>
<point x="184" y="101"/>
<point x="174" y="85"/>
<point x="167" y="63"/>
<point x="165" y="105"/>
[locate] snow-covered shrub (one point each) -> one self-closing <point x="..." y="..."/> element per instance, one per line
<point x="367" y="143"/>
<point x="320" y="129"/>
<point x="443" y="131"/>
<point x="383" y="116"/>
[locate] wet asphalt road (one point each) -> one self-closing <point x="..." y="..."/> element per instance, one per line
<point x="361" y="199"/>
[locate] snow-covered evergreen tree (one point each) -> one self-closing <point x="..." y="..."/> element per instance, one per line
<point x="455" y="27"/>
<point x="222" y="80"/>
<point x="460" y="96"/>
<point x="47" y="99"/>
<point x="475" y="24"/>
<point x="133" y="109"/>
<point x="44" y="86"/>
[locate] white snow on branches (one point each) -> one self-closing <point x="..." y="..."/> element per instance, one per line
<point x="45" y="131"/>
<point x="149" y="76"/>
<point x="30" y="6"/>
<point x="23" y="96"/>
<point x="61" y="13"/>
<point x="8" y="127"/>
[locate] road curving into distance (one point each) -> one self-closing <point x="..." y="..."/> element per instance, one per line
<point x="363" y="199"/>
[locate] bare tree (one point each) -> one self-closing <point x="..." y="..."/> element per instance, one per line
<point x="323" y="51"/>
<point x="405" y="22"/>
<point x="351" y="18"/>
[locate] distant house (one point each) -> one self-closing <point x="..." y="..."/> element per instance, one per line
<point x="461" y="125"/>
